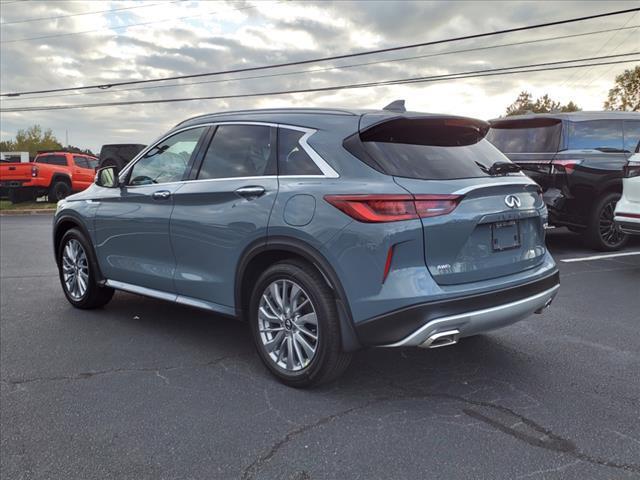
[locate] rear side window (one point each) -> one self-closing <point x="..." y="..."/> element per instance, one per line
<point x="53" y="160"/>
<point x="631" y="135"/>
<point x="526" y="136"/>
<point x="292" y="158"/>
<point x="431" y="150"/>
<point x="239" y="151"/>
<point x="603" y="135"/>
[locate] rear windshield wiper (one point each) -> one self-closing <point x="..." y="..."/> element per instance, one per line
<point x="611" y="150"/>
<point x="499" y="168"/>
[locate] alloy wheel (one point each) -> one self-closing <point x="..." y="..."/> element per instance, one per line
<point x="609" y="232"/>
<point x="288" y="325"/>
<point x="75" y="269"/>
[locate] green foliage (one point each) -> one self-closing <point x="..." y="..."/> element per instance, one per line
<point x="544" y="104"/>
<point x="625" y="95"/>
<point x="31" y="140"/>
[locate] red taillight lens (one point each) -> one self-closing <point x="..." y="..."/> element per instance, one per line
<point x="434" y="205"/>
<point x="565" y="166"/>
<point x="632" y="169"/>
<point x="34" y="171"/>
<point x="392" y="208"/>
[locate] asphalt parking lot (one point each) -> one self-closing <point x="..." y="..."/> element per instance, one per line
<point x="145" y="389"/>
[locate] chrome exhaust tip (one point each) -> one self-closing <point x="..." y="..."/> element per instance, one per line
<point x="441" y="339"/>
<point x="544" y="307"/>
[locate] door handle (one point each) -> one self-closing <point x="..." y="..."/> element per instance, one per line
<point x="250" y="192"/>
<point x="161" y="195"/>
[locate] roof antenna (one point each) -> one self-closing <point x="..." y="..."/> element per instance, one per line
<point x="396" y="106"/>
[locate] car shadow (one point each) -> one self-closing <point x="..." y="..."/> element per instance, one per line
<point x="561" y="241"/>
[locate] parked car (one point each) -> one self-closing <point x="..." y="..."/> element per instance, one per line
<point x="119" y="154"/>
<point x="578" y="160"/>
<point x="327" y="230"/>
<point x="627" y="214"/>
<point x="55" y="174"/>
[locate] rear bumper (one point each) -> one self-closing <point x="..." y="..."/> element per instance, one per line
<point x="468" y="315"/>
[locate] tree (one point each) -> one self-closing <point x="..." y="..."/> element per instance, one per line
<point x="544" y="104"/>
<point x="31" y="140"/>
<point x="625" y="95"/>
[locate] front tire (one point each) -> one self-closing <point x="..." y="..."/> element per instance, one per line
<point x="77" y="271"/>
<point x="295" y="325"/>
<point x="602" y="232"/>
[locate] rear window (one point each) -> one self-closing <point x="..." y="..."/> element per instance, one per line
<point x="434" y="149"/>
<point x="526" y="136"/>
<point x="603" y="135"/>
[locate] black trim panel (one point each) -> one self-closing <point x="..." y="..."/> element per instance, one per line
<point x="394" y="326"/>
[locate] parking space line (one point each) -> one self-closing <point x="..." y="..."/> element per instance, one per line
<point x="598" y="257"/>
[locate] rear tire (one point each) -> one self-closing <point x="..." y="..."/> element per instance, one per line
<point x="77" y="270"/>
<point x="59" y="189"/>
<point x="602" y="233"/>
<point x="304" y="320"/>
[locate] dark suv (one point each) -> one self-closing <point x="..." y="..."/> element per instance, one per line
<point x="578" y="160"/>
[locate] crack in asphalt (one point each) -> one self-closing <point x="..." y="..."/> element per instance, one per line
<point x="545" y="438"/>
<point x="91" y="374"/>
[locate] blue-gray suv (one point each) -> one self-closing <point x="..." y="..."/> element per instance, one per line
<point x="326" y="230"/>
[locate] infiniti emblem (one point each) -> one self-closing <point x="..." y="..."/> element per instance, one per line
<point x="512" y="201"/>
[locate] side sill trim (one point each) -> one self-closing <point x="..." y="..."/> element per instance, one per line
<point x="506" y="306"/>
<point x="171" y="297"/>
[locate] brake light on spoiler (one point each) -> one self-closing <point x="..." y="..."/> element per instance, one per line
<point x="393" y="208"/>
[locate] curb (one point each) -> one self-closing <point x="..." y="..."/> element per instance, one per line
<point x="40" y="211"/>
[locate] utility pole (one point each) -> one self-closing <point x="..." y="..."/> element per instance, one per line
<point x="66" y="137"/>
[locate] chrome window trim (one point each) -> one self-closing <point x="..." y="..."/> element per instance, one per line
<point x="512" y="181"/>
<point x="325" y="168"/>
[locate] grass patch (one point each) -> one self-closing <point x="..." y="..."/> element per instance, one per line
<point x="7" y="205"/>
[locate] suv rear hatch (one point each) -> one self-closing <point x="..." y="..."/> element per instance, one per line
<point x="532" y="143"/>
<point x="478" y="223"/>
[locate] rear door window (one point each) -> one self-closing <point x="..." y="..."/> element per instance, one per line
<point x="540" y="135"/>
<point x="53" y="160"/>
<point x="292" y="158"/>
<point x="240" y="151"/>
<point x="602" y="135"/>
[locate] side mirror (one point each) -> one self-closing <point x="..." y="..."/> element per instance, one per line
<point x="107" y="177"/>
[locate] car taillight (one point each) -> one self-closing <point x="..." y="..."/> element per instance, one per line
<point x="393" y="208"/>
<point x="564" y="166"/>
<point x="632" y="169"/>
<point x="34" y="171"/>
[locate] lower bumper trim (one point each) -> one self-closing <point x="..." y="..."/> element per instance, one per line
<point x="479" y="321"/>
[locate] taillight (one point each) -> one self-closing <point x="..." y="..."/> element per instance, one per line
<point x="564" y="166"/>
<point x="34" y="171"/>
<point x="393" y="208"/>
<point x="632" y="169"/>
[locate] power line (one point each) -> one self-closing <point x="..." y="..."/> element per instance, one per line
<point x="334" y="57"/>
<point x="338" y="67"/>
<point x="580" y="75"/>
<point x="121" y="27"/>
<point x="95" y="12"/>
<point x="612" y="51"/>
<point x="548" y="66"/>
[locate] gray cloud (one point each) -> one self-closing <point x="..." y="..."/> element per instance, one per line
<point x="274" y="33"/>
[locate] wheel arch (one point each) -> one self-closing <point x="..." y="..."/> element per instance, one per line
<point x="60" y="176"/>
<point x="260" y="254"/>
<point x="62" y="225"/>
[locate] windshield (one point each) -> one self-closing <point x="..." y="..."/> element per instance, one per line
<point x="526" y="136"/>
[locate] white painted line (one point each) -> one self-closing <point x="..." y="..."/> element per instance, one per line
<point x="599" y="257"/>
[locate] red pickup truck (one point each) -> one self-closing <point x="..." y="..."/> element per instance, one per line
<point x="55" y="174"/>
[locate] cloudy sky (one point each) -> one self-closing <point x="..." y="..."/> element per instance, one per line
<point x="102" y="44"/>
